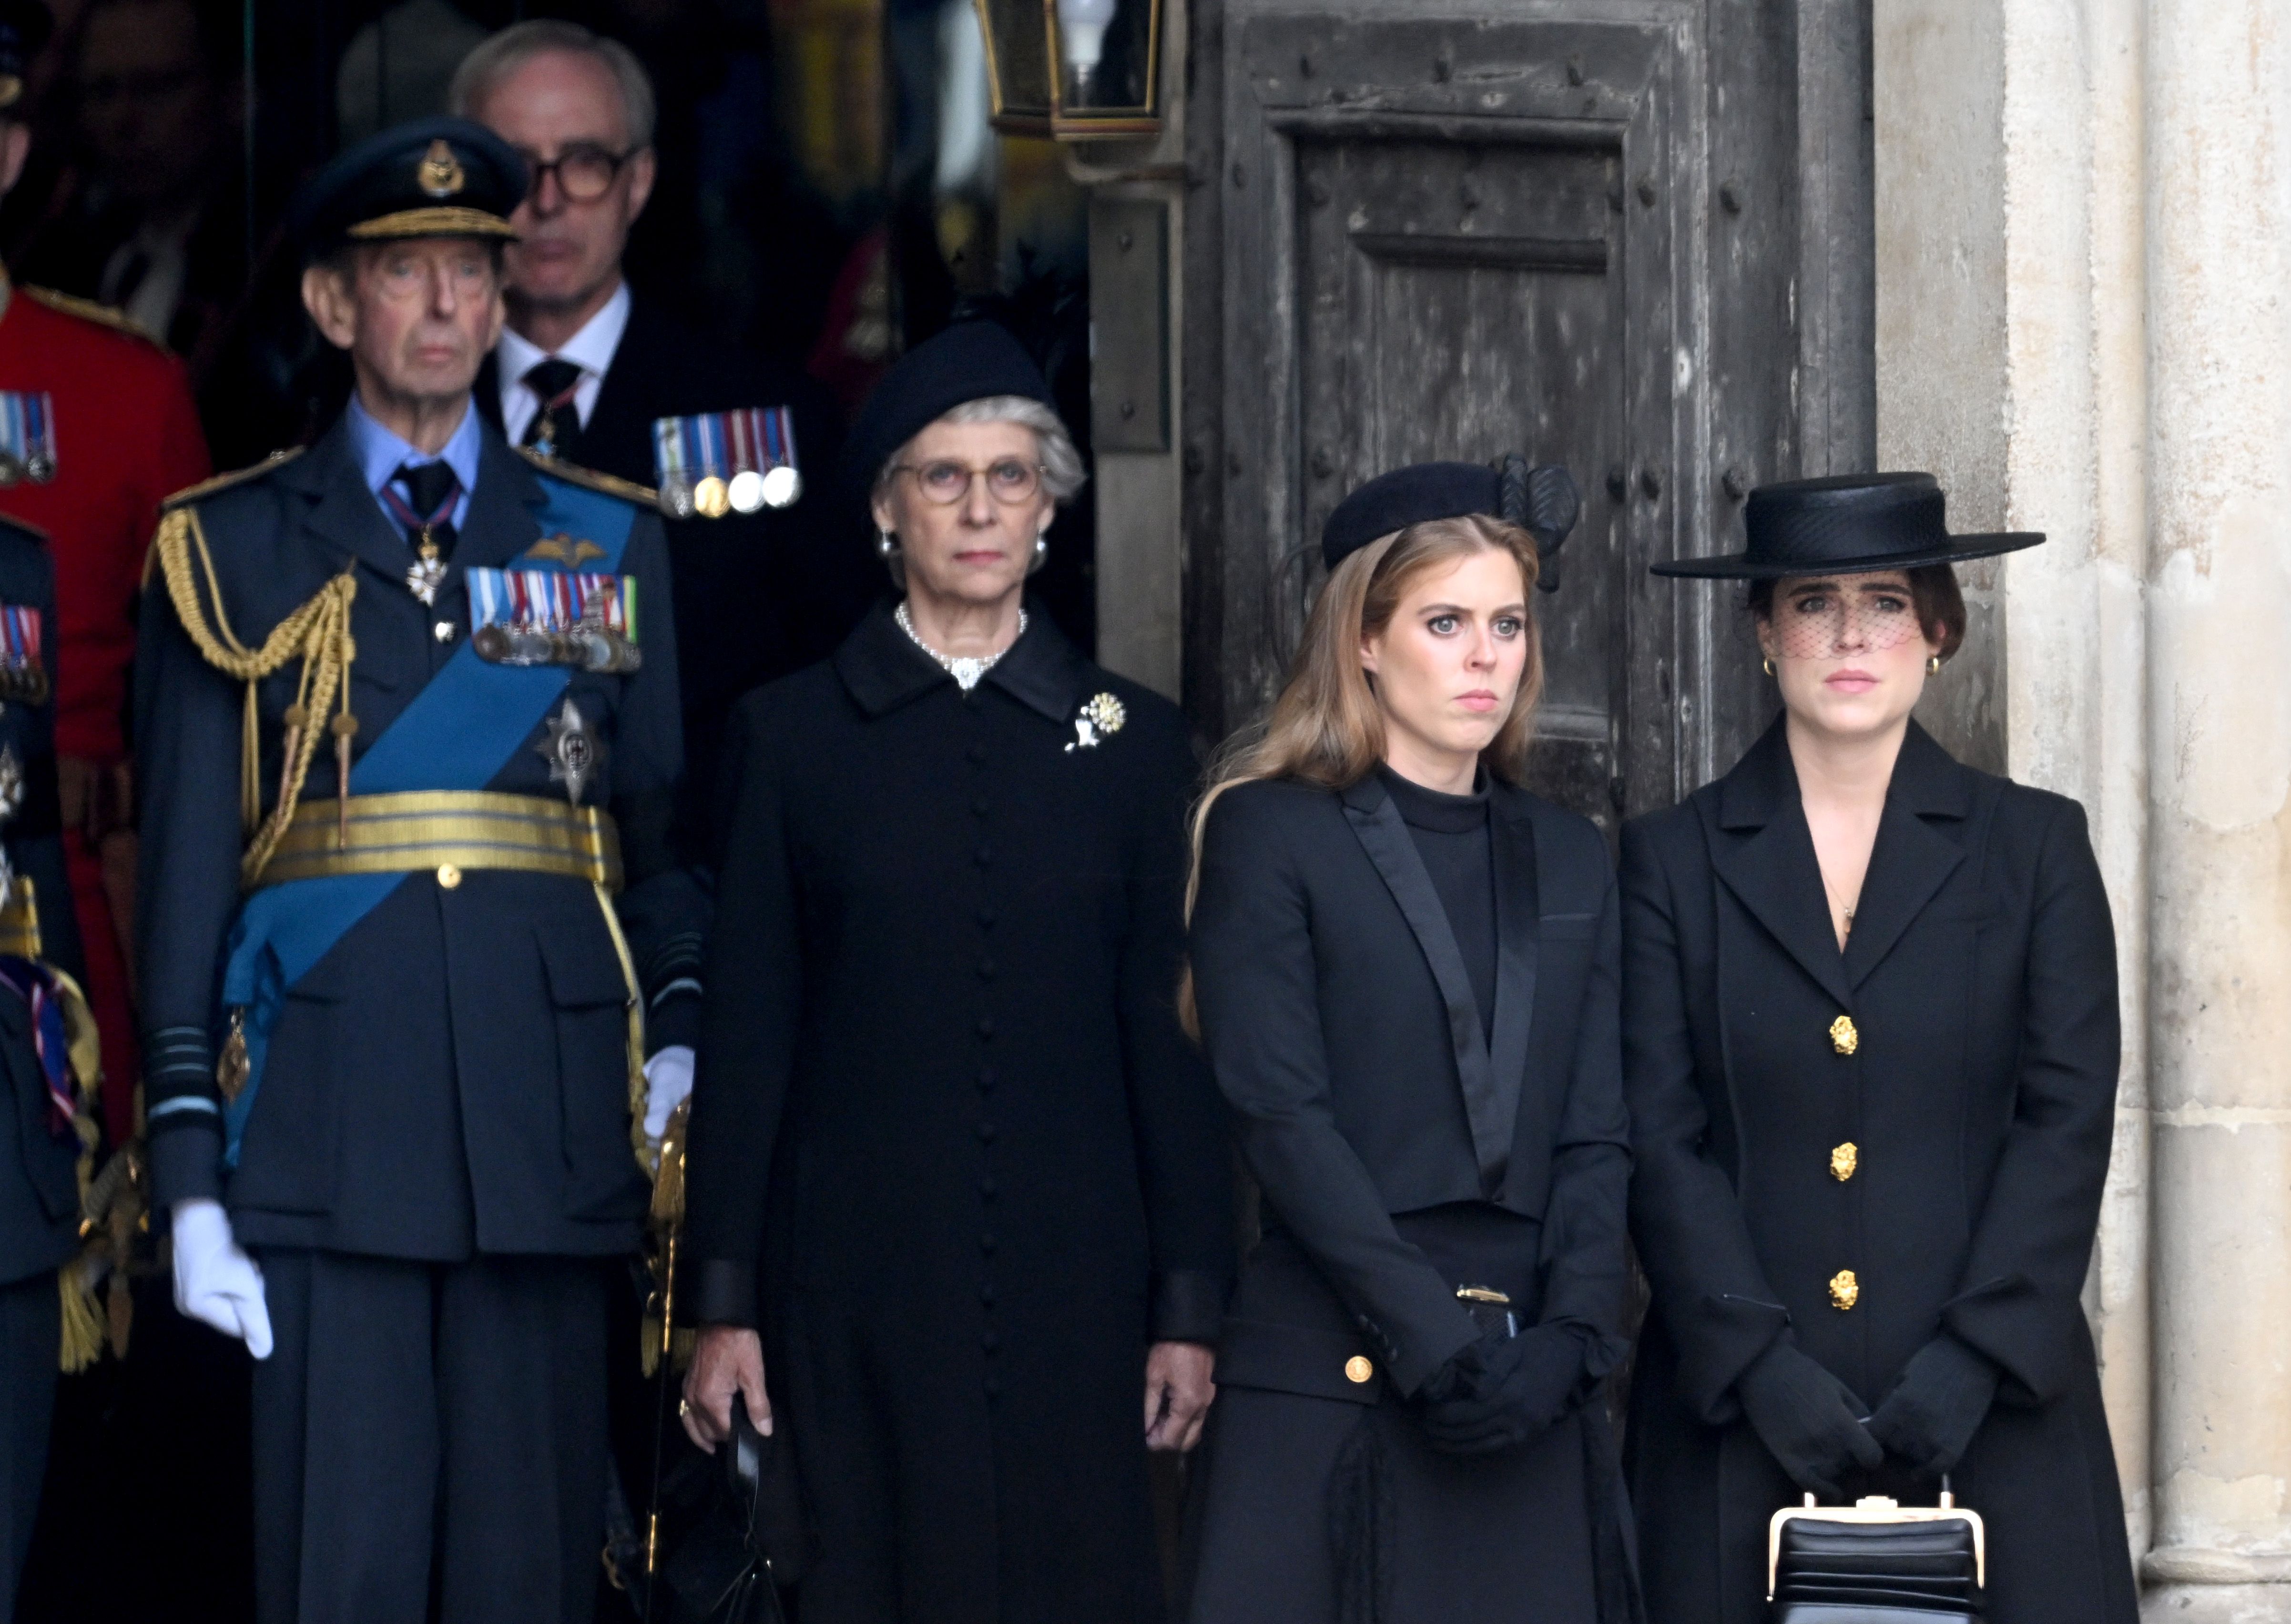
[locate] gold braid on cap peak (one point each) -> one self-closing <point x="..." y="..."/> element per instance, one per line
<point x="318" y="634"/>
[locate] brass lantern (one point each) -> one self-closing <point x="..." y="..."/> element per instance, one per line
<point x="1077" y="69"/>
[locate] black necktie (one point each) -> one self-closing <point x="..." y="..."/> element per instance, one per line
<point x="558" y="423"/>
<point x="431" y="490"/>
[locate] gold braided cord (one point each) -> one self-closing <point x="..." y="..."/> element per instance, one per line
<point x="317" y="633"/>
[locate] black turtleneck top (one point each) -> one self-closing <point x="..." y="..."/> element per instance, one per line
<point x="1451" y="836"/>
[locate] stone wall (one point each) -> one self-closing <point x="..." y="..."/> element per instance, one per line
<point x="2084" y="327"/>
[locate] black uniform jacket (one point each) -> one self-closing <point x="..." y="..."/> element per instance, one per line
<point x="39" y="1185"/>
<point x="452" y="1074"/>
<point x="758" y="596"/>
<point x="1952" y="1162"/>
<point x="1340" y="1020"/>
<point x="944" y="1100"/>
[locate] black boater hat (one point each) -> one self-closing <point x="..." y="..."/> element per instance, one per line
<point x="1413" y="495"/>
<point x="434" y="177"/>
<point x="1846" y="524"/>
<point x="971" y="360"/>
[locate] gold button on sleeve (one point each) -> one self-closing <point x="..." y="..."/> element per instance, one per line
<point x="1844" y="1290"/>
<point x="1843" y="1037"/>
<point x="449" y="875"/>
<point x="1357" y="1369"/>
<point x="1844" y="1160"/>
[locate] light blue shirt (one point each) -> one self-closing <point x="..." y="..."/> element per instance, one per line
<point x="380" y="452"/>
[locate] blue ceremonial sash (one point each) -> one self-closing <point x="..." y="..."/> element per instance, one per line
<point x="467" y="723"/>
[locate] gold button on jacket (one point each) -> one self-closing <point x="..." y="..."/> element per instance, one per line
<point x="448" y="875"/>
<point x="1842" y="1160"/>
<point x="1357" y="1369"/>
<point x="1843" y="1037"/>
<point x="1844" y="1290"/>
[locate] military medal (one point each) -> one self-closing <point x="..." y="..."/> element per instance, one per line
<point x="27" y="441"/>
<point x="427" y="572"/>
<point x="23" y="674"/>
<point x="721" y="463"/>
<point x="572" y="752"/>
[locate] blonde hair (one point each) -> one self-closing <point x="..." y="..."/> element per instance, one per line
<point x="1327" y="727"/>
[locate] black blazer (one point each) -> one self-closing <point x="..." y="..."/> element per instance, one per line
<point x="1981" y="983"/>
<point x="758" y="595"/>
<point x="39" y="1183"/>
<point x="1338" y="1015"/>
<point x="452" y="1074"/>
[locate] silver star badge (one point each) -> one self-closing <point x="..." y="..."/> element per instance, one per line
<point x="573" y="752"/>
<point x="12" y="784"/>
<point x="425" y="577"/>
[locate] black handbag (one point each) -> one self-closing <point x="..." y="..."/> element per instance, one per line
<point x="1877" y="1562"/>
<point x="751" y="1540"/>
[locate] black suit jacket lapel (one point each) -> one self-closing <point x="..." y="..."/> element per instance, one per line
<point x="346" y="515"/>
<point x="1763" y="853"/>
<point x="1911" y="860"/>
<point x="622" y="419"/>
<point x="1519" y="937"/>
<point x="1384" y="836"/>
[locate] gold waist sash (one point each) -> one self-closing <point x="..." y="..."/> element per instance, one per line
<point x="445" y="830"/>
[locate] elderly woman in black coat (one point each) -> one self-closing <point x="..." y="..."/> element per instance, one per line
<point x="1871" y="1047"/>
<point x="953" y="1161"/>
<point x="1406" y="970"/>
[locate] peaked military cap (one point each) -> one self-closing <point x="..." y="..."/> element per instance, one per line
<point x="971" y="360"/>
<point x="1846" y="524"/>
<point x="1412" y="495"/>
<point x="433" y="177"/>
<point x="25" y="26"/>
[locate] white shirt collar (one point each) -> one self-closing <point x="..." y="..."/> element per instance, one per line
<point x="591" y="349"/>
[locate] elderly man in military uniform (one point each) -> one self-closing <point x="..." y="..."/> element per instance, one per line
<point x="410" y="744"/>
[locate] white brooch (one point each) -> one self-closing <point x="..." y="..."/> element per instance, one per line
<point x="1101" y="714"/>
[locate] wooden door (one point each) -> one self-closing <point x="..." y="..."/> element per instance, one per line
<point x="1615" y="236"/>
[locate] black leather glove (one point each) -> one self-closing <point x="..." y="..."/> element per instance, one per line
<point x="1807" y="1418"/>
<point x="1934" y="1411"/>
<point x="1500" y="1391"/>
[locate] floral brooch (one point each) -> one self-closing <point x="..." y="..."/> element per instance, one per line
<point x="1101" y="715"/>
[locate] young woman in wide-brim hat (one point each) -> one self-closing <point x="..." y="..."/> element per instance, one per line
<point x="1871" y="1047"/>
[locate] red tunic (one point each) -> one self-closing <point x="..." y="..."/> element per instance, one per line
<point x="125" y="436"/>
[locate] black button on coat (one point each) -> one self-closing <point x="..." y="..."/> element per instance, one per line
<point x="945" y="1110"/>
<point x="1980" y="1097"/>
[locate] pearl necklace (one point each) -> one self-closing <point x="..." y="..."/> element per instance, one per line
<point x="965" y="670"/>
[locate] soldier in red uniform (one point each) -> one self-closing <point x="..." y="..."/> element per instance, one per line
<point x="97" y="427"/>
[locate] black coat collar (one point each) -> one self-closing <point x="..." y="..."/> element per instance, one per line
<point x="1492" y="1075"/>
<point x="883" y="668"/>
<point x="1771" y="866"/>
<point x="501" y="523"/>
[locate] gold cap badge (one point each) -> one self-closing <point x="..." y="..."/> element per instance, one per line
<point x="1843" y="1037"/>
<point x="439" y="173"/>
<point x="1842" y="1160"/>
<point x="1844" y="1290"/>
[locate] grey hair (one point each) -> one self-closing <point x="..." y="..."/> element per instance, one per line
<point x="499" y="55"/>
<point x="1062" y="471"/>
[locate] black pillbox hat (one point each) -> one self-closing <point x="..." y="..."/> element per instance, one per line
<point x="433" y="177"/>
<point x="1407" y="497"/>
<point x="972" y="360"/>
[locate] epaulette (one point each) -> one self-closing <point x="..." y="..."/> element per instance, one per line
<point x="590" y="479"/>
<point x="102" y="315"/>
<point x="223" y="482"/>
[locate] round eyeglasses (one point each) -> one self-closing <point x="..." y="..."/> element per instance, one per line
<point x="942" y="484"/>
<point x="584" y="170"/>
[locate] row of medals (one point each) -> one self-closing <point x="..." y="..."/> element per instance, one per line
<point x="748" y="490"/>
<point x="39" y="468"/>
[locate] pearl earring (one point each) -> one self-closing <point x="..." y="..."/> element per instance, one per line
<point x="886" y="543"/>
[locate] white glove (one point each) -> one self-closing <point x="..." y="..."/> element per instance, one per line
<point x="668" y="1080"/>
<point x="215" y="1280"/>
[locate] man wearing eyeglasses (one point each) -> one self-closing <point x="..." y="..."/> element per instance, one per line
<point x="588" y="369"/>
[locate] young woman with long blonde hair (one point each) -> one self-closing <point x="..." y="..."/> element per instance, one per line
<point x="1404" y="972"/>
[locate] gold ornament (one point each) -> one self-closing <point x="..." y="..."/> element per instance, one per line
<point x="1844" y="1290"/>
<point x="1843" y="1037"/>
